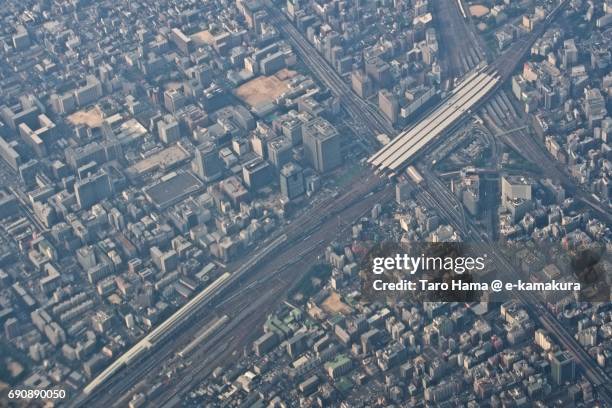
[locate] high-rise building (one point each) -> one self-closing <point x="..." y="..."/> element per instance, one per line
<point x="594" y="106"/>
<point x="24" y="113"/>
<point x="182" y="41"/>
<point x="362" y="84"/>
<point x="65" y="103"/>
<point x="292" y="181"/>
<point x="208" y="165"/>
<point x="389" y="105"/>
<point x="379" y="71"/>
<point x="174" y="99"/>
<point x="516" y="196"/>
<point x="8" y="203"/>
<point x="166" y="261"/>
<point x="322" y="145"/>
<point x="202" y="73"/>
<point x="272" y="63"/>
<point x="515" y="188"/>
<point x="9" y="154"/>
<point x="563" y="368"/>
<point x="290" y="125"/>
<point x="279" y="151"/>
<point x="469" y="189"/>
<point x="92" y="189"/>
<point x="41" y="138"/>
<point x="88" y="93"/>
<point x="569" y="53"/>
<point x="168" y="129"/>
<point x="257" y="173"/>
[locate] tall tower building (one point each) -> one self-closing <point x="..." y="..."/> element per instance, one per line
<point x="207" y="163"/>
<point x="563" y="368"/>
<point x="322" y="145"/>
<point x="92" y="189"/>
<point x="389" y="105"/>
<point x="292" y="181"/>
<point x="168" y="129"/>
<point x="174" y="99"/>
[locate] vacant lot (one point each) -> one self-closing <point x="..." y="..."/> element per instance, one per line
<point x="202" y="38"/>
<point x="478" y="10"/>
<point x="264" y="89"/>
<point x="92" y="118"/>
<point x="333" y="304"/>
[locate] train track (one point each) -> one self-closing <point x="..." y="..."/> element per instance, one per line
<point x="361" y="112"/>
<point x="305" y="228"/>
<point x="274" y="285"/>
<point x="435" y="196"/>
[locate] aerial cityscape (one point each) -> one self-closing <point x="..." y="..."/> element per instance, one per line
<point x="292" y="203"/>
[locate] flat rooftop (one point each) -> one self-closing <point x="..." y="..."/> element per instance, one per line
<point x="164" y="159"/>
<point x="172" y="189"/>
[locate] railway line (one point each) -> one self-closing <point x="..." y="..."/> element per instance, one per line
<point x="246" y="322"/>
<point x="507" y="117"/>
<point x="435" y="195"/>
<point x="396" y="154"/>
<point x="454" y="25"/>
<point x="361" y="112"/>
<point x="311" y="225"/>
<point x="472" y="92"/>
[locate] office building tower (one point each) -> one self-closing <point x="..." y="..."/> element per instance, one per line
<point x="322" y="145"/>
<point x="208" y="165"/>
<point x="166" y="261"/>
<point x="9" y="154"/>
<point x="563" y="368"/>
<point x="88" y="93"/>
<point x="379" y="71"/>
<point x="569" y="54"/>
<point x="174" y="99"/>
<point x="257" y="173"/>
<point x="168" y="129"/>
<point x="92" y="189"/>
<point x="182" y="41"/>
<point x="362" y="84"/>
<point x="594" y="106"/>
<point x="516" y="196"/>
<point x="292" y="181"/>
<point x="40" y="138"/>
<point x="64" y="104"/>
<point x="280" y="151"/>
<point x="515" y="188"/>
<point x="389" y="105"/>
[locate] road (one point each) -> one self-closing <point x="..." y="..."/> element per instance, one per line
<point x="506" y="63"/>
<point x="362" y="113"/>
<point x="436" y="195"/>
<point x="307" y="234"/>
<point x="283" y="273"/>
<point x="534" y="151"/>
<point x="439" y="198"/>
